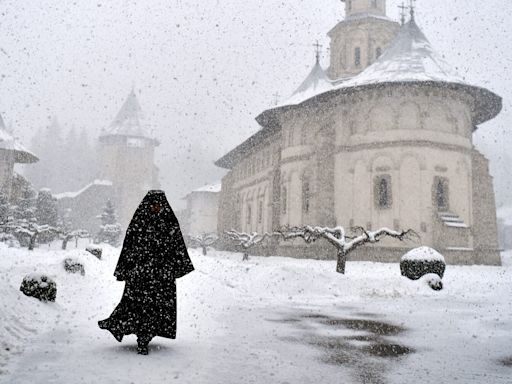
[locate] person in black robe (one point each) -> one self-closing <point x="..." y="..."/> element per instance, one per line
<point x="154" y="255"/>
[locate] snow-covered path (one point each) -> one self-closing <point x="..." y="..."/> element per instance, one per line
<point x="269" y="320"/>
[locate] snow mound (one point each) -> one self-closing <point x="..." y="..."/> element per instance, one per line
<point x="424" y="254"/>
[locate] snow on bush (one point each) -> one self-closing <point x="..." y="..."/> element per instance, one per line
<point x="433" y="280"/>
<point x="40" y="286"/>
<point x="423" y="253"/>
<point x="421" y="261"/>
<point x="96" y="251"/>
<point x="73" y="265"/>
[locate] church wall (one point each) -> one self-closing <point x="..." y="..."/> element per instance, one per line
<point x="249" y="185"/>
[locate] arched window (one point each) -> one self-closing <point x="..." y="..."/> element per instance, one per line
<point x="441" y="193"/>
<point x="284" y="200"/>
<point x="357" y="56"/>
<point x="260" y="211"/>
<point x="306" y="196"/>
<point x="383" y="192"/>
<point x="378" y="52"/>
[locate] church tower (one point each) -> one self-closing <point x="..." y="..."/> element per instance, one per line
<point x="127" y="158"/>
<point x="360" y="39"/>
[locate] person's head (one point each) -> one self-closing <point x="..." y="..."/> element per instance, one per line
<point x="155" y="207"/>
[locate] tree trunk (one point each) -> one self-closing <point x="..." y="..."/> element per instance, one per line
<point x="204" y="250"/>
<point x="32" y="243"/>
<point x="342" y="259"/>
<point x="64" y="243"/>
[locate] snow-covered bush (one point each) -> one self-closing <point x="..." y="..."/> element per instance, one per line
<point x="10" y="240"/>
<point x="96" y="251"/>
<point x="72" y="265"/>
<point x="422" y="261"/>
<point x="39" y="286"/>
<point x="433" y="280"/>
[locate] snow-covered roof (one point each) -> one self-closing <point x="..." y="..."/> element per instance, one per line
<point x="410" y="57"/>
<point x="72" y="195"/>
<point x="316" y="82"/>
<point x="9" y="143"/>
<point x="129" y="120"/>
<point x="215" y="188"/>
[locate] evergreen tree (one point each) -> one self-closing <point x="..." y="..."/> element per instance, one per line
<point x="46" y="208"/>
<point x="110" y="229"/>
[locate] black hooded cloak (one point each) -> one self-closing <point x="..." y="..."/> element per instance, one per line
<point x="153" y="256"/>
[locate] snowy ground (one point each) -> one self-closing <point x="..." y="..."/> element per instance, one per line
<point x="268" y="320"/>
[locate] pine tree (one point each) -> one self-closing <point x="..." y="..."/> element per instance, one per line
<point x="110" y="229"/>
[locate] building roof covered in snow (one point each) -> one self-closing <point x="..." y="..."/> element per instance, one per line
<point x="410" y="59"/>
<point x="10" y="144"/>
<point x="316" y="82"/>
<point x="210" y="188"/>
<point x="129" y="121"/>
<point x="72" y="195"/>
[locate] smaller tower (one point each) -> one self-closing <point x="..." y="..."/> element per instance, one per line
<point x="127" y="158"/>
<point x="360" y="39"/>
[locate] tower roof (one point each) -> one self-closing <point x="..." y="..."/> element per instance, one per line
<point x="410" y="57"/>
<point x="129" y="120"/>
<point x="10" y="144"/>
<point x="316" y="82"/>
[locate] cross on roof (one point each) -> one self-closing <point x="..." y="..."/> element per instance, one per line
<point x="402" y="7"/>
<point x="318" y="48"/>
<point x="412" y="6"/>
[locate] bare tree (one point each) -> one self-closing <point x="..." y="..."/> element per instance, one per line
<point x="204" y="241"/>
<point x="337" y="237"/>
<point x="247" y="240"/>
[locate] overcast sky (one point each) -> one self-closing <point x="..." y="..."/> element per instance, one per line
<point x="203" y="69"/>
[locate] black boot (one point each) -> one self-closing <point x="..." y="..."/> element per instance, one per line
<point x="142" y="345"/>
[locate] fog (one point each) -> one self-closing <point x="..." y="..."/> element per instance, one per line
<point x="204" y="69"/>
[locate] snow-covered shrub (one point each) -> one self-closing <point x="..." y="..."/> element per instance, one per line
<point x="422" y="261"/>
<point x="10" y="240"/>
<point x="73" y="266"/>
<point x="39" y="286"/>
<point x="433" y="280"/>
<point x="96" y="251"/>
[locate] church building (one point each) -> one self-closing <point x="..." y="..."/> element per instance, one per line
<point x="382" y="138"/>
